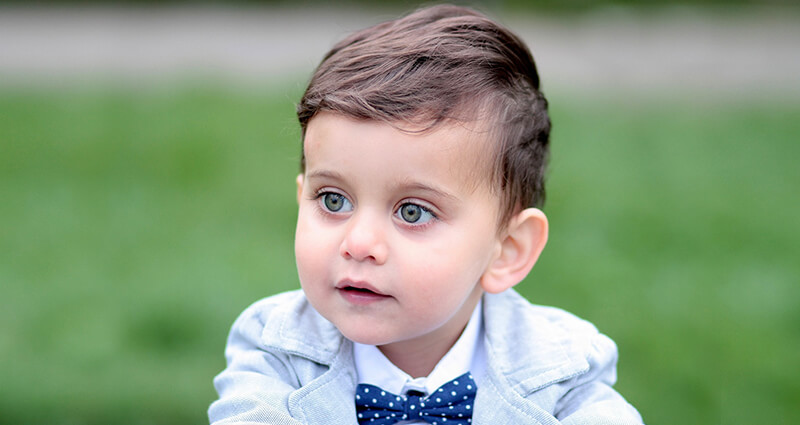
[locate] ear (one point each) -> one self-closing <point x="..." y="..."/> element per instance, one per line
<point x="519" y="249"/>
<point x="299" y="187"/>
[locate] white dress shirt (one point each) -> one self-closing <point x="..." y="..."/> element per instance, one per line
<point x="466" y="355"/>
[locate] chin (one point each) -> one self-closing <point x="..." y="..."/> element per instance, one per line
<point x="361" y="336"/>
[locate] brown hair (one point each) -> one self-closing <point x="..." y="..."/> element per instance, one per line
<point x="440" y="64"/>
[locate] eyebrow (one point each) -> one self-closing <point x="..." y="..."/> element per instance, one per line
<point x="402" y="185"/>
<point x="423" y="187"/>
<point x="324" y="174"/>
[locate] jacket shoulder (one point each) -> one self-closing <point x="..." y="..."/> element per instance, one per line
<point x="579" y="335"/>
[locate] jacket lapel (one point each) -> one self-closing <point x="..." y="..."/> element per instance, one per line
<point x="329" y="398"/>
<point x="525" y="353"/>
<point x="326" y="397"/>
<point x="498" y="404"/>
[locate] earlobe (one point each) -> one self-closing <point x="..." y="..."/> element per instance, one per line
<point x="299" y="187"/>
<point x="519" y="250"/>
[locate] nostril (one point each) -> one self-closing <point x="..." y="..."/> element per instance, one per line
<point x="363" y="241"/>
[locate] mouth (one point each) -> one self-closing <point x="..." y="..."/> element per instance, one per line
<point x="364" y="291"/>
<point x="360" y="292"/>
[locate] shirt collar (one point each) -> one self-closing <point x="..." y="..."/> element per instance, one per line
<point x="466" y="355"/>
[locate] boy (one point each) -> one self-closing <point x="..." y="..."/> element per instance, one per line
<point x="424" y="147"/>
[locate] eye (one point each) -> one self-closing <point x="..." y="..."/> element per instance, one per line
<point x="335" y="202"/>
<point x="414" y="214"/>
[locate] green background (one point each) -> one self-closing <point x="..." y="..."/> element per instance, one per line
<point x="138" y="222"/>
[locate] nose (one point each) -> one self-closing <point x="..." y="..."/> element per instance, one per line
<point x="364" y="240"/>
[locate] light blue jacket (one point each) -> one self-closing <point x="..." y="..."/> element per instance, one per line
<point x="289" y="365"/>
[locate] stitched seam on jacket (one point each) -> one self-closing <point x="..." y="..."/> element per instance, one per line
<point x="498" y="392"/>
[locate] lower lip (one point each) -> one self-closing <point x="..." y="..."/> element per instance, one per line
<point x="361" y="298"/>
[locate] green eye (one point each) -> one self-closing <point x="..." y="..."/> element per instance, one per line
<point x="334" y="202"/>
<point x="414" y="214"/>
<point x="410" y="213"/>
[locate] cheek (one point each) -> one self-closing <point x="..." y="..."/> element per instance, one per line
<point x="308" y="245"/>
<point x="440" y="277"/>
<point x="463" y="256"/>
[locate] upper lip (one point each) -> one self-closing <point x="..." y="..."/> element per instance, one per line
<point x="357" y="284"/>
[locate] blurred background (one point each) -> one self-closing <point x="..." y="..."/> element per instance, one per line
<point x="148" y="153"/>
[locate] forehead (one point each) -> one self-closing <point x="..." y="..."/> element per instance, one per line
<point x="459" y="151"/>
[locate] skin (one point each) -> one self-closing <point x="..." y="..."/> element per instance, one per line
<point x="397" y="235"/>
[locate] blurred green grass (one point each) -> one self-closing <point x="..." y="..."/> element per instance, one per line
<point x="137" y="223"/>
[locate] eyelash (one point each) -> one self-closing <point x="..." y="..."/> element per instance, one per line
<point x="320" y="198"/>
<point x="320" y="194"/>
<point x="433" y="216"/>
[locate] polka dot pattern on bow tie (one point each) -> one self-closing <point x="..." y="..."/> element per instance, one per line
<point x="450" y="404"/>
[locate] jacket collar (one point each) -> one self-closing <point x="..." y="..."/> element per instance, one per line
<point x="296" y="328"/>
<point x="525" y="349"/>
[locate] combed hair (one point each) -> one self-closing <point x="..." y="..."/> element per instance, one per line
<point x="437" y="65"/>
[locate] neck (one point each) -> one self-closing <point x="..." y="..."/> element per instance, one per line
<point x="418" y="358"/>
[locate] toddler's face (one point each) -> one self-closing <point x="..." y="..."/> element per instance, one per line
<point x="394" y="229"/>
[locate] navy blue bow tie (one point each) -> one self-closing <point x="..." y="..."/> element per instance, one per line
<point x="450" y="404"/>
